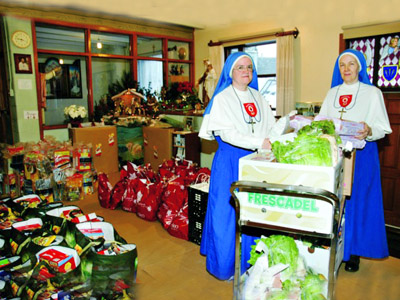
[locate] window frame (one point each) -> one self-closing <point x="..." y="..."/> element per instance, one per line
<point x="133" y="57"/>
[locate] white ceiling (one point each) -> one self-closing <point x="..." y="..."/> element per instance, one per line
<point x="199" y="14"/>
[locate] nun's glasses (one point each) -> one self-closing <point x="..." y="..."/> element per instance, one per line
<point x="242" y="68"/>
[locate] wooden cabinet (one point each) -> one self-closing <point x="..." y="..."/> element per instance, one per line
<point x="186" y="145"/>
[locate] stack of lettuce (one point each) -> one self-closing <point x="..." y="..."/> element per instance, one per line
<point x="315" y="145"/>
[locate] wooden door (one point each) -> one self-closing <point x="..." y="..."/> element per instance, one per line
<point x="389" y="152"/>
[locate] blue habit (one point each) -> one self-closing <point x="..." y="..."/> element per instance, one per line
<point x="218" y="237"/>
<point x="364" y="227"/>
<point x="365" y="233"/>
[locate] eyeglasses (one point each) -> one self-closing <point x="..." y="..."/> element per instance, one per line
<point x="242" y="68"/>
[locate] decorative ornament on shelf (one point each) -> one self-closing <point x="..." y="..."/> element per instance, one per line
<point x="75" y="114"/>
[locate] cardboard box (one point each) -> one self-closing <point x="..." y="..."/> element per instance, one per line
<point x="104" y="146"/>
<point x="157" y="145"/>
<point x="348" y="173"/>
<point x="327" y="178"/>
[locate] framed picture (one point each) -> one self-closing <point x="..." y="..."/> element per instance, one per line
<point x="23" y="63"/>
<point x="75" y="86"/>
<point x="63" y="81"/>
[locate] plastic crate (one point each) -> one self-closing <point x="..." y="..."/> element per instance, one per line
<point x="197" y="207"/>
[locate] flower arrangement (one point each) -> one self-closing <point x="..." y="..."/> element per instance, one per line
<point x="180" y="95"/>
<point x="74" y="112"/>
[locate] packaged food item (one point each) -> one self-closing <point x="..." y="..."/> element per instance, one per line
<point x="61" y="261"/>
<point x="62" y="159"/>
<point x="44" y="188"/>
<point x="82" y="158"/>
<point x="343" y="127"/>
<point x="86" y="218"/>
<point x="28" y="201"/>
<point x="29" y="225"/>
<point x="88" y="179"/>
<point x="73" y="189"/>
<point x="45" y="240"/>
<point x="7" y="261"/>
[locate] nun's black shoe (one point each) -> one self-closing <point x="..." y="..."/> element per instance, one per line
<point x="353" y="264"/>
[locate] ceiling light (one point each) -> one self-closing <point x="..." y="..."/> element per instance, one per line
<point x="99" y="45"/>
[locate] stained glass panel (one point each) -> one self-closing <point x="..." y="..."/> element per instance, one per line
<point x="389" y="57"/>
<point x="367" y="47"/>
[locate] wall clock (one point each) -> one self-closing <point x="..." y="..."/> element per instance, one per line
<point x="21" y="39"/>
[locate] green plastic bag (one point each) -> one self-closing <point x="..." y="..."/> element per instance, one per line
<point x="111" y="273"/>
<point x="83" y="236"/>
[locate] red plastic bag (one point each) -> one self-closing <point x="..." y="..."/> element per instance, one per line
<point x="129" y="203"/>
<point x="166" y="215"/>
<point x="148" y="201"/>
<point x="175" y="194"/>
<point x="104" y="190"/>
<point x="202" y="175"/>
<point x="165" y="174"/>
<point x="118" y="193"/>
<point x="180" y="225"/>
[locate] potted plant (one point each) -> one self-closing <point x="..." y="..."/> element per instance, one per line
<point x="75" y="114"/>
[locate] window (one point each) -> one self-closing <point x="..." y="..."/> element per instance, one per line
<point x="150" y="71"/>
<point x="110" y="43"/>
<point x="107" y="71"/>
<point x="149" y="46"/>
<point x="82" y="65"/>
<point x="60" y="38"/>
<point x="64" y="84"/>
<point x="264" y="57"/>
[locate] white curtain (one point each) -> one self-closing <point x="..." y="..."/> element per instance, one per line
<point x="285" y="101"/>
<point x="216" y="54"/>
<point x="150" y="73"/>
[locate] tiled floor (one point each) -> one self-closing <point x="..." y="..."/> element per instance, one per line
<point x="171" y="268"/>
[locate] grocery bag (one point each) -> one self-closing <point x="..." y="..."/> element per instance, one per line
<point x="56" y="220"/>
<point x="83" y="236"/>
<point x="106" y="271"/>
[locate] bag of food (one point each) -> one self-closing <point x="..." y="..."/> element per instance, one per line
<point x="148" y="200"/>
<point x="104" y="190"/>
<point x="175" y="194"/>
<point x="180" y="225"/>
<point x="129" y="203"/>
<point x="111" y="265"/>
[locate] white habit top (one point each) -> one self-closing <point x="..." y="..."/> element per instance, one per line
<point x="367" y="106"/>
<point x="229" y="119"/>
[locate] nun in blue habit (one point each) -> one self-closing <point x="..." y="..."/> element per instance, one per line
<point x="364" y="229"/>
<point x="239" y="119"/>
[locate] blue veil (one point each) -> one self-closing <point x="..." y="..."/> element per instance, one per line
<point x="362" y="75"/>
<point x="225" y="79"/>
